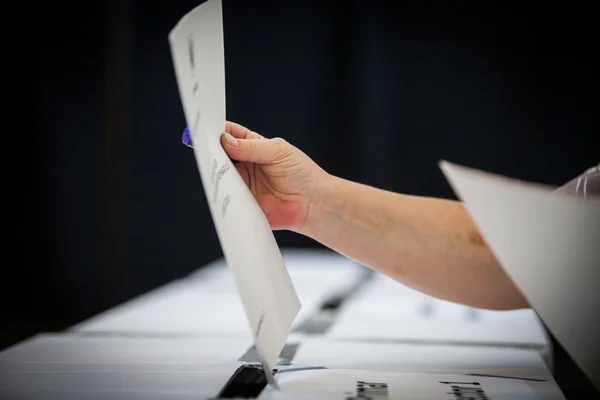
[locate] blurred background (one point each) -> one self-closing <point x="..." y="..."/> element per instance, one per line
<point x="374" y="91"/>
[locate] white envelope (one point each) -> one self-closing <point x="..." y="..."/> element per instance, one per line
<point x="270" y="301"/>
<point x="549" y="244"/>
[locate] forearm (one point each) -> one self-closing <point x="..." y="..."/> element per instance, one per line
<point x="429" y="244"/>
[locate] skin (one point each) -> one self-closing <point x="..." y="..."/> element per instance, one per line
<point x="429" y="244"/>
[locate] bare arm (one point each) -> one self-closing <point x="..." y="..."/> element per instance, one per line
<point x="429" y="244"/>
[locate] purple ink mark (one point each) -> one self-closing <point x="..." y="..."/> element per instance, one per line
<point x="186" y="138"/>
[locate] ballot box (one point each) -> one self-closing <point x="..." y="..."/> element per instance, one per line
<point x="174" y="343"/>
<point x="361" y="305"/>
<point x="80" y="365"/>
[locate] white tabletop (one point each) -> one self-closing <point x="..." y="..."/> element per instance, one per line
<point x="185" y="339"/>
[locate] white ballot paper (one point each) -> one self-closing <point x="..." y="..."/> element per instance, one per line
<point x="549" y="244"/>
<point x="263" y="283"/>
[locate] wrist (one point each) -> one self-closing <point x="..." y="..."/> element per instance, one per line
<point x="320" y="203"/>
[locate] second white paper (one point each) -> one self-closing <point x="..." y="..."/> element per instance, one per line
<point x="549" y="244"/>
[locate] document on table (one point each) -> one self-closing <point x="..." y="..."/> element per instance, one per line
<point x="422" y="357"/>
<point x="367" y="384"/>
<point x="549" y="244"/>
<point x="263" y="283"/>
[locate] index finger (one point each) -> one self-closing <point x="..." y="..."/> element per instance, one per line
<point x="240" y="132"/>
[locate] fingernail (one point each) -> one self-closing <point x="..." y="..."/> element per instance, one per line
<point x="231" y="140"/>
<point x="186" y="138"/>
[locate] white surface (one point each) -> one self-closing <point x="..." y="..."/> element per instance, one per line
<point x="128" y="382"/>
<point x="501" y="361"/>
<point x="52" y="352"/>
<point x="316" y="274"/>
<point x="98" y="367"/>
<point x="177" y="357"/>
<point x="387" y="310"/>
<point x="346" y="383"/>
<point x="180" y="309"/>
<point x="269" y="299"/>
<point x="549" y="244"/>
<point x="54" y="366"/>
<point x="206" y="304"/>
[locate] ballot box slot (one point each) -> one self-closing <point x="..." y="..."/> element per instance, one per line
<point x="248" y="381"/>
<point x="332" y="303"/>
<point x="285" y="357"/>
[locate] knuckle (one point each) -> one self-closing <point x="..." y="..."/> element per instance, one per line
<point x="280" y="143"/>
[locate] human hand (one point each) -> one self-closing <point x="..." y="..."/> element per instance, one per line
<point x="284" y="181"/>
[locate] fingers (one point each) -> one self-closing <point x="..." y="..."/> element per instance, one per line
<point x="259" y="151"/>
<point x="240" y="132"/>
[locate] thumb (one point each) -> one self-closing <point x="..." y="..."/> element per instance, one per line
<point x="259" y="151"/>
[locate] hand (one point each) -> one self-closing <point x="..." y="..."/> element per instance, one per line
<point x="284" y="181"/>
